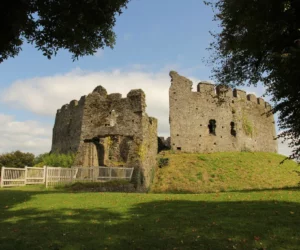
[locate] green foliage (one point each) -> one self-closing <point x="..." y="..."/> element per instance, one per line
<point x="55" y="160"/>
<point x="142" y="151"/>
<point x="38" y="160"/>
<point x="16" y="159"/>
<point x="247" y="126"/>
<point x="259" y="41"/>
<point x="82" y="27"/>
<point x="162" y="162"/>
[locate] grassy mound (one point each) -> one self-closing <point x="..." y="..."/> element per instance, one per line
<point x="226" y="171"/>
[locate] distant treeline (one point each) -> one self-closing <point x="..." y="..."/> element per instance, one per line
<point x="18" y="159"/>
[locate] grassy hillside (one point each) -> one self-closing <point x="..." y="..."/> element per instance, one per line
<point x="227" y="171"/>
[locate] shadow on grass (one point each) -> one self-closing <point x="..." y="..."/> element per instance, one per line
<point x="10" y="196"/>
<point x="172" y="191"/>
<point x="160" y="224"/>
<point x="295" y="188"/>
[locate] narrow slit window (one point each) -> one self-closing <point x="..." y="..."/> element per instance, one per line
<point x="212" y="126"/>
<point x="232" y="129"/>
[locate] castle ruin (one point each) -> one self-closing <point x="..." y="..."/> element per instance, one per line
<point x="108" y="130"/>
<point x="216" y="119"/>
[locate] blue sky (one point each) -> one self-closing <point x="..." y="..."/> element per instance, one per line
<point x="154" y="33"/>
<point x="153" y="37"/>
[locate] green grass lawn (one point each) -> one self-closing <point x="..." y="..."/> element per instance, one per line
<point x="35" y="218"/>
<point x="226" y="171"/>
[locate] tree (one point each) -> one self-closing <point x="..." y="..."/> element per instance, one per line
<point x="259" y="41"/>
<point x="80" y="26"/>
<point x="16" y="159"/>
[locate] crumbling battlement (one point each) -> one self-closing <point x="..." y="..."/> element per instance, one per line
<point x="106" y="129"/>
<point x="217" y="90"/>
<point x="217" y="118"/>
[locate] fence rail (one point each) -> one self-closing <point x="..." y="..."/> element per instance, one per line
<point x="53" y="176"/>
<point x="11" y="177"/>
<point x="35" y="175"/>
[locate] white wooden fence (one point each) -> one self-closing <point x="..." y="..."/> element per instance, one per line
<point x="21" y="176"/>
<point x="35" y="175"/>
<point x="52" y="176"/>
<point x="13" y="177"/>
<point x="59" y="176"/>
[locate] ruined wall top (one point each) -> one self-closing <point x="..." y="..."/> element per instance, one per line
<point x="97" y="115"/>
<point x="135" y="96"/>
<point x="218" y="90"/>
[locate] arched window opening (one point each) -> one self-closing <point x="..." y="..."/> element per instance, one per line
<point x="212" y="126"/>
<point x="232" y="129"/>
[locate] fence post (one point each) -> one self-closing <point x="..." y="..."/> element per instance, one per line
<point x="110" y="173"/>
<point x="44" y="174"/>
<point x="26" y="170"/>
<point x="131" y="173"/>
<point x="71" y="175"/>
<point x="46" y="177"/>
<point x="2" y="176"/>
<point x="59" y="174"/>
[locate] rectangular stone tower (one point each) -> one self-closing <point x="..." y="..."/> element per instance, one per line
<point x="108" y="130"/>
<point x="216" y="119"/>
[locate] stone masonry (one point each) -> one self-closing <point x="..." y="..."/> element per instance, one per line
<point x="216" y="119"/>
<point x="108" y="130"/>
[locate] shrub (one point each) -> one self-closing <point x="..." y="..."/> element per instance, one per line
<point x="114" y="185"/>
<point x="55" y="160"/>
<point x="162" y="162"/>
<point x="16" y="159"/>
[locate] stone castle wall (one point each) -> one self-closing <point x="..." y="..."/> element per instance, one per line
<point x="217" y="119"/>
<point x="108" y="130"/>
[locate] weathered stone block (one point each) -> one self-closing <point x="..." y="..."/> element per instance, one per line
<point x="224" y="91"/>
<point x="206" y="87"/>
<point x="261" y="101"/>
<point x="241" y="94"/>
<point x="252" y="98"/>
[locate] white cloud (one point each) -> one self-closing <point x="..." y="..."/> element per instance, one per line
<point x="44" y="95"/>
<point x="27" y="136"/>
<point x="283" y="146"/>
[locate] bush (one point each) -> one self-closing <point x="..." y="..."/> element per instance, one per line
<point x="110" y="186"/>
<point x="55" y="160"/>
<point x="162" y="162"/>
<point x="16" y="159"/>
